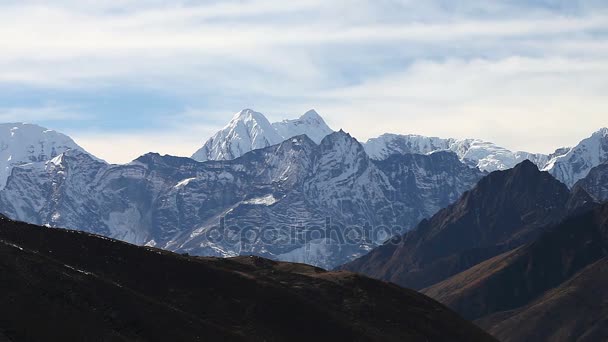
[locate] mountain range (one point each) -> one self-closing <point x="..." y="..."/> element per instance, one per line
<point x="504" y="210"/>
<point x="520" y="254"/>
<point x="255" y="175"/>
<point x="514" y="241"/>
<point x="249" y="130"/>
<point x="178" y="203"/>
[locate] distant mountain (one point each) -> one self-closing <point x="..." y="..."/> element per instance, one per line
<point x="576" y="163"/>
<point x="552" y="289"/>
<point x="389" y="144"/>
<point x="61" y="285"/>
<point x="296" y="187"/>
<point x="474" y="152"/>
<point x="566" y="164"/>
<point x="249" y="130"/>
<point x="596" y="182"/>
<point x="310" y="124"/>
<point x="22" y="143"/>
<point x="504" y="210"/>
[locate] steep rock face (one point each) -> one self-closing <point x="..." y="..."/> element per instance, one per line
<point x="423" y="184"/>
<point x="22" y="143"/>
<point x="249" y="130"/>
<point x="578" y="161"/>
<point x="112" y="291"/>
<point x="303" y="195"/>
<point x="596" y="182"/>
<point x="504" y="210"/>
<point x="545" y="290"/>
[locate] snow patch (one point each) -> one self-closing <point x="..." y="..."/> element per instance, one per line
<point x="266" y="200"/>
<point x="184" y="182"/>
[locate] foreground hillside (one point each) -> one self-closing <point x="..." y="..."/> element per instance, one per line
<point x="61" y="285"/>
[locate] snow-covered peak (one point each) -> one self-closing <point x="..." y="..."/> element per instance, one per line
<point x="387" y="144"/>
<point x="250" y="130"/>
<point x="488" y="156"/>
<point x="579" y="160"/>
<point x="311" y="114"/>
<point x="478" y="153"/>
<point x="22" y="143"/>
<point x="247" y="116"/>
<point x="311" y="124"/>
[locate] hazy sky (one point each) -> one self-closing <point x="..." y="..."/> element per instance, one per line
<point x="138" y="76"/>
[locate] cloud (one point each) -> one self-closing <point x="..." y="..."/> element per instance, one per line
<point x="523" y="103"/>
<point x="123" y="147"/>
<point x="49" y="112"/>
<point x="529" y="75"/>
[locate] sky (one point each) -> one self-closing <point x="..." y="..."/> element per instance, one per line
<point x="129" y="77"/>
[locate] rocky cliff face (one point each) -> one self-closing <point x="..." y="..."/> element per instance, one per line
<point x="596" y="182"/>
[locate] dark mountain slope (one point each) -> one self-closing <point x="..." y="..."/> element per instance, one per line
<point x="506" y="209"/>
<point x="596" y="182"/>
<point x="577" y="310"/>
<point x="73" y="286"/>
<point x="545" y="267"/>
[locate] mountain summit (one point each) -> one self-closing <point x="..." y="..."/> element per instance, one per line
<point x="310" y="123"/>
<point x="22" y="143"/>
<point x="250" y="130"/>
<point x="579" y="160"/>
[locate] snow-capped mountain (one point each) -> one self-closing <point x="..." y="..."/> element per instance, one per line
<point x="389" y="144"/>
<point x="249" y="130"/>
<point x="209" y="208"/>
<point x="22" y="143"/>
<point x="484" y="155"/>
<point x="310" y="124"/>
<point x="576" y="162"/>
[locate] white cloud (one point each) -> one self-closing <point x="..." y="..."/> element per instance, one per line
<point x="489" y="70"/>
<point x="47" y="112"/>
<point x="522" y="103"/>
